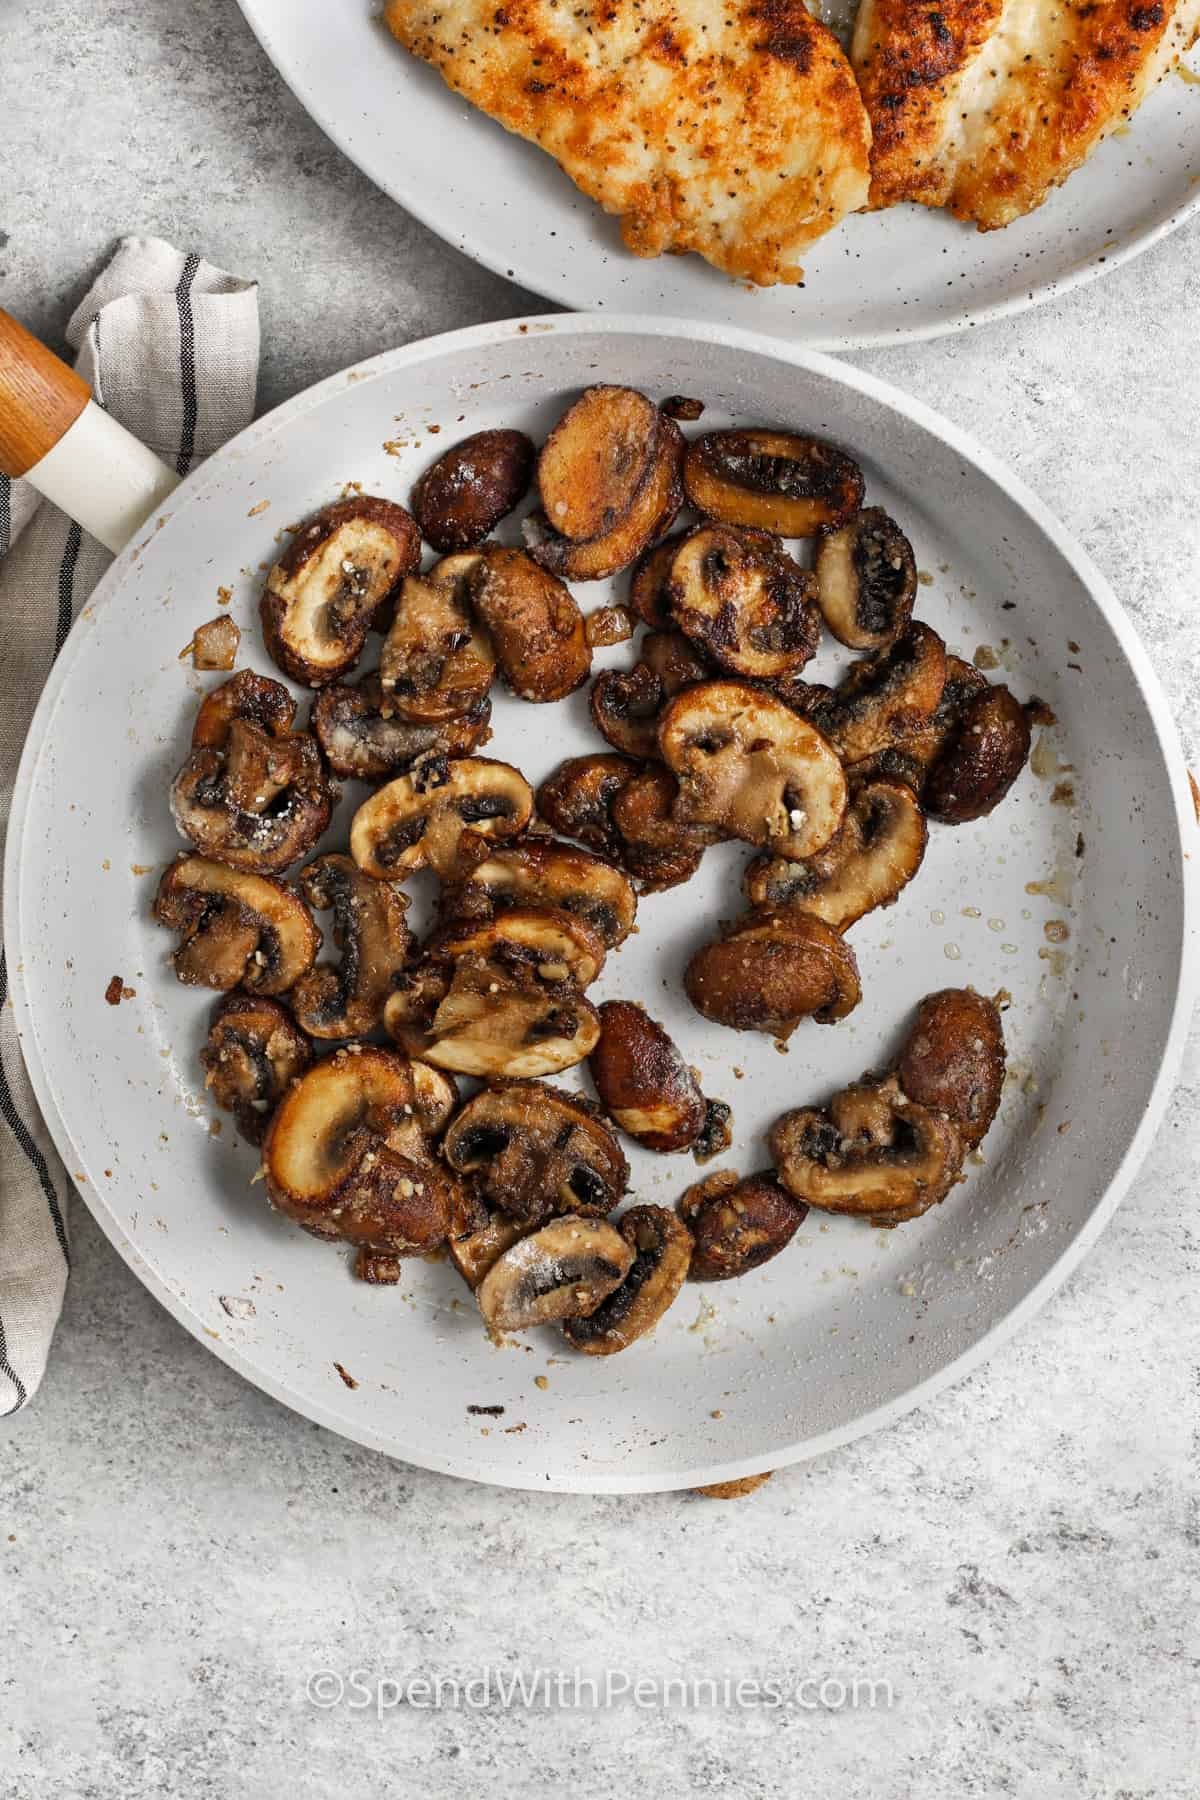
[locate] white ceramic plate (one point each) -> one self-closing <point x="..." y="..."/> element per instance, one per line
<point x="850" y="1326"/>
<point x="881" y="278"/>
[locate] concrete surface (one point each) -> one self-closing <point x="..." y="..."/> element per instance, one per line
<point x="179" y="1554"/>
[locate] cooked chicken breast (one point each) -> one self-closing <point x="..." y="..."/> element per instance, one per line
<point x="983" y="106"/>
<point x="730" y="127"/>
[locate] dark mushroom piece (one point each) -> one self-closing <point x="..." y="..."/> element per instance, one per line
<point x="437" y="663"/>
<point x="776" y="480"/>
<point x="532" y="1151"/>
<point x="866" y="580"/>
<point x="910" y="757"/>
<point x="644" y="1084"/>
<point x="253" y="793"/>
<point x="626" y="703"/>
<point x="771" y="971"/>
<point x="648" y="583"/>
<point x="885" y="699"/>
<point x="369" y="929"/>
<point x="650" y="513"/>
<point x="867" y="863"/>
<point x="562" y="1271"/>
<point x="474" y="1253"/>
<point x="333" y="583"/>
<point x="364" y="737"/>
<point x="543" y="873"/>
<point x="659" y="850"/>
<point x="238" y="930"/>
<point x="538" y="631"/>
<point x="975" y="770"/>
<point x="871" y="1152"/>
<point x="744" y="602"/>
<point x="440" y="815"/>
<point x="577" y="799"/>
<point x="738" y="1223"/>
<point x="472" y="486"/>
<point x="253" y="1053"/>
<point x="662" y="1247"/>
<point x="953" y="1060"/>
<point x="596" y="459"/>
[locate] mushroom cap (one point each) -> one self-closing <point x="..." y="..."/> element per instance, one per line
<point x="543" y="873"/>
<point x="953" y="1059"/>
<point x="253" y="1052"/>
<point x="534" y="1151"/>
<point x="238" y="929"/>
<point x="885" y="699"/>
<point x="421" y="818"/>
<point x="648" y="583"/>
<point x="595" y="460"/>
<point x="771" y="971"/>
<point x="776" y="480"/>
<point x="437" y="662"/>
<point x="562" y="1271"/>
<point x="539" y="634"/>
<point x="363" y="736"/>
<point x="645" y="1086"/>
<point x="738" y="1223"/>
<point x="650" y="513"/>
<point x="872" y="1152"/>
<point x="866" y="580"/>
<point x="869" y="860"/>
<point x="748" y="764"/>
<point x="577" y="799"/>
<point x="657" y="847"/>
<point x="369" y="929"/>
<point x="474" y="1253"/>
<point x="744" y="602"/>
<point x="471" y="487"/>
<point x="662" y="1247"/>
<point x="974" y="771"/>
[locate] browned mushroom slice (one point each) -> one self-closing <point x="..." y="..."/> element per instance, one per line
<point x="471" y="487"/>
<point x="595" y="460"/>
<point x="953" y="1059"/>
<point x="334" y="581"/>
<point x="738" y="1223"/>
<point x="562" y="1271"/>
<point x="503" y="1001"/>
<point x="985" y="755"/>
<point x="370" y="931"/>
<point x="436" y="662"/>
<point x="215" y="644"/>
<point x="773" y="970"/>
<point x="626" y="703"/>
<point x="643" y="1082"/>
<point x="474" y="1253"/>
<point x="651" y="512"/>
<point x="885" y="699"/>
<point x="781" y="482"/>
<point x="717" y="1135"/>
<point x="342" y="1158"/>
<point x="252" y="793"/>
<point x="422" y="819"/>
<point x="658" y="849"/>
<point x="648" y="583"/>
<point x="253" y="1053"/>
<point x="748" y="764"/>
<point x="868" y="862"/>
<point x="363" y="736"/>
<point x="238" y="929"/>
<point x="533" y="1151"/>
<point x="662" y="1247"/>
<point x="871" y="1152"/>
<point x="911" y="757"/>
<point x="746" y="604"/>
<point x="548" y="874"/>
<point x="866" y="580"/>
<point x="577" y="799"/>
<point x="538" y="631"/>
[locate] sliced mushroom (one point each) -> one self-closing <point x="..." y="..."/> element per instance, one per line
<point x="370" y="931"/>
<point x="238" y="929"/>
<point x="643" y="1082"/>
<point x="796" y="486"/>
<point x="650" y="513"/>
<point x="474" y="1253"/>
<point x="363" y="736"/>
<point x="577" y="799"/>
<point x="659" y="850"/>
<point x="771" y="971"/>
<point x="748" y="764"/>
<point x="253" y="1053"/>
<point x="215" y="644"/>
<point x="252" y="793"/>
<point x="626" y="703"/>
<point x="540" y="639"/>
<point x="471" y="487"/>
<point x="544" y="874"/>
<point x="983" y="758"/>
<point x="648" y="583"/>
<point x="562" y="1271"/>
<point x="885" y="699"/>
<point x="717" y="1135"/>
<point x="738" y="1223"/>
<point x="868" y="862"/>
<point x="871" y="1152"/>
<point x="596" y="459"/>
<point x="533" y="1151"/>
<point x="744" y="602"/>
<point x="345" y="1157"/>
<point x="866" y="580"/>
<point x="333" y="583"/>
<point x="662" y="1247"/>
<point x="436" y="662"/>
<point x="953" y="1059"/>
<point x="502" y="1001"/>
<point x="437" y="814"/>
<point x="911" y="757"/>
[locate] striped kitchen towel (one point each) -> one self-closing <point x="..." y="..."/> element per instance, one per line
<point x="169" y="345"/>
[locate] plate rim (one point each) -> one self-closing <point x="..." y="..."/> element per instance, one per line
<point x="533" y="327"/>
<point x="512" y="267"/>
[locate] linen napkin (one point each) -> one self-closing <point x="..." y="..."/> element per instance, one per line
<point x="169" y="345"/>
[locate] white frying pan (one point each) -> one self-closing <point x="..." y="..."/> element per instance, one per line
<point x="850" y="1327"/>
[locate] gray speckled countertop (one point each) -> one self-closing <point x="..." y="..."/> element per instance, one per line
<point x="1018" y="1560"/>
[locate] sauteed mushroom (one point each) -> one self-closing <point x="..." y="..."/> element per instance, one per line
<point x="437" y="814"/>
<point x="910" y="758"/>
<point x="872" y="1152"/>
<point x="436" y="663"/>
<point x="363" y="736"/>
<point x="643" y="1082"/>
<point x="796" y="486"/>
<point x="562" y="1271"/>
<point x="870" y="859"/>
<point x="533" y="1151"/>
<point x="953" y="1059"/>
<point x="334" y="582"/>
<point x="238" y="929"/>
<point x="738" y="1223"/>
<point x="596" y="459"/>
<point x="370" y="931"/>
<point x="866" y="580"/>
<point x="545" y="873"/>
<point x="648" y="583"/>
<point x="474" y="1253"/>
<point x="471" y="487"/>
<point x="743" y="600"/>
<point x="626" y="703"/>
<point x="662" y="1247"/>
<point x="772" y="970"/>
<point x="537" y="629"/>
<point x="885" y="699"/>
<point x="650" y="513"/>
<point x="253" y="1053"/>
<point x="577" y="799"/>
<point x="984" y="756"/>
<point x="659" y="850"/>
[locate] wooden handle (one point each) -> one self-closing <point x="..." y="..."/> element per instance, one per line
<point x="40" y="398"/>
